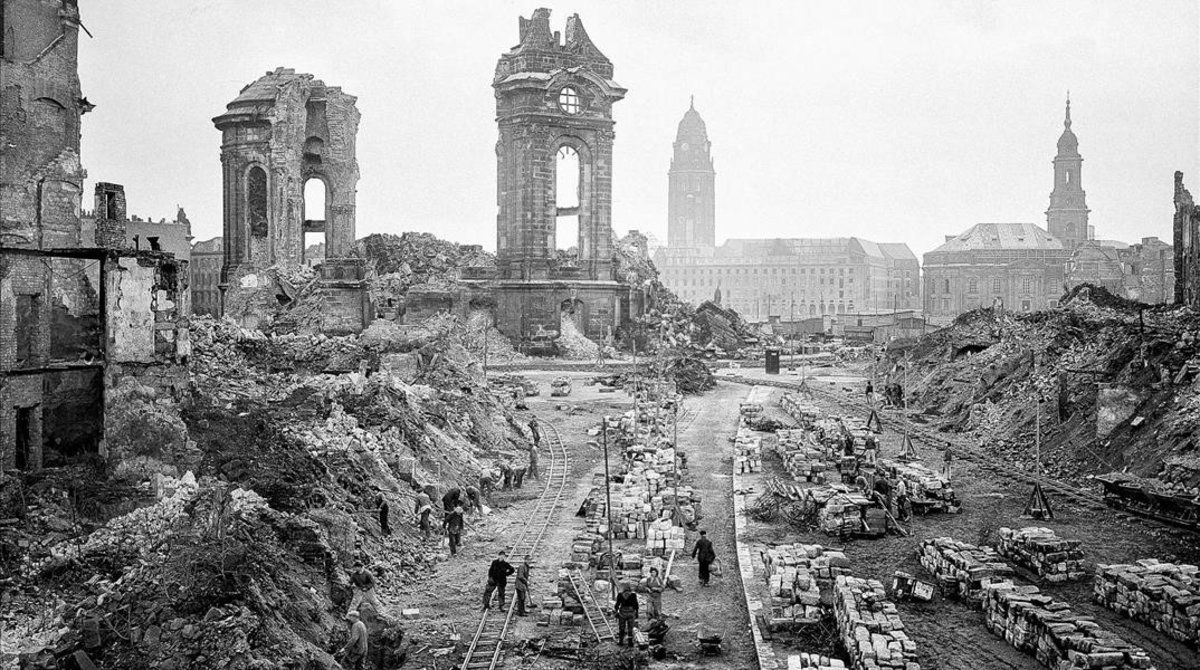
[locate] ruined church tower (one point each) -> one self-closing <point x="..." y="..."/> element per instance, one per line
<point x="691" y="191"/>
<point x="1067" y="217"/>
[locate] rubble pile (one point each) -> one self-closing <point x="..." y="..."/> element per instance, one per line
<point x="1163" y="595"/>
<point x="870" y="627"/>
<point x="1035" y="623"/>
<point x="572" y="344"/>
<point x="1135" y="405"/>
<point x="1181" y="476"/>
<point x="418" y="258"/>
<point x="796" y="575"/>
<point x="244" y="564"/>
<point x="1042" y="551"/>
<point x="963" y="570"/>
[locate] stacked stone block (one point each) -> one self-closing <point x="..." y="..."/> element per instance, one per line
<point x="1042" y="551"/>
<point x="748" y="448"/>
<point x="800" y="408"/>
<point x="964" y="570"/>
<point x="807" y="661"/>
<point x="796" y="574"/>
<point x="1163" y="595"/>
<point x="870" y="627"/>
<point x="1035" y="623"/>
<point x="923" y="484"/>
<point x="803" y="457"/>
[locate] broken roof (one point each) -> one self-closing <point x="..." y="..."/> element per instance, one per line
<point x="1002" y="236"/>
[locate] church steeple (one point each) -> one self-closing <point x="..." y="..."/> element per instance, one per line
<point x="691" y="209"/>
<point x="1067" y="217"/>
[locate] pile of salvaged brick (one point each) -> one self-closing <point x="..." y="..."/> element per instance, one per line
<point x="795" y="574"/>
<point x="1163" y="595"/>
<point x="1042" y="551"/>
<point x="1035" y="623"/>
<point x="803" y="457"/>
<point x="748" y="451"/>
<point x="928" y="488"/>
<point x="962" y="569"/>
<point x="807" y="661"/>
<point x="870" y="627"/>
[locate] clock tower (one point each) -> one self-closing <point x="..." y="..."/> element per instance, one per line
<point x="1067" y="217"/>
<point x="691" y="199"/>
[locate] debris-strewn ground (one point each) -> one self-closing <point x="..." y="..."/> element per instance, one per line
<point x="228" y="547"/>
<point x="981" y="376"/>
<point x="951" y="633"/>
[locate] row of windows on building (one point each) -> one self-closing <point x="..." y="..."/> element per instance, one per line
<point x="774" y="271"/>
<point x="710" y="281"/>
<point x="997" y="285"/>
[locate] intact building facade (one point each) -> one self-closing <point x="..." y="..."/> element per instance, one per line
<point x="1024" y="267"/>
<point x="784" y="279"/>
<point x="205" y="266"/>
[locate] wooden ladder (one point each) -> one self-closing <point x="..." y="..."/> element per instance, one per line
<point x="591" y="610"/>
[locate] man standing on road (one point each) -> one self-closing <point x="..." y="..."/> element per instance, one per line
<point x="705" y="555"/>
<point x="521" y="583"/>
<point x="627" y="612"/>
<point x="497" y="579"/>
<point x="903" y="512"/>
<point x="356" y="648"/>
<point x="454" y="528"/>
<point x="947" y="457"/>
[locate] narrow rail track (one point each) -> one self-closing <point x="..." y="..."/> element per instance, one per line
<point x="961" y="448"/>
<point x="487" y="646"/>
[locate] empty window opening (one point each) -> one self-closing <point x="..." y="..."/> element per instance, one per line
<point x="315" y="214"/>
<point x="256" y="201"/>
<point x="111" y="209"/>
<point x="28" y="327"/>
<point x="567" y="181"/>
<point x="25" y="437"/>
<point x="72" y="417"/>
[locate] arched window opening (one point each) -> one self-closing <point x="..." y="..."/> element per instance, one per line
<point x="314" y="220"/>
<point x="567" y="182"/>
<point x="256" y="201"/>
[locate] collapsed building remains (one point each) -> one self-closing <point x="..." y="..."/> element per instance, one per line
<point x="1187" y="246"/>
<point x="284" y="135"/>
<point x="79" y="314"/>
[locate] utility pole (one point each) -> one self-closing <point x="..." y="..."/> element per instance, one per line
<point x="612" y="556"/>
<point x="675" y="452"/>
<point x="485" y="349"/>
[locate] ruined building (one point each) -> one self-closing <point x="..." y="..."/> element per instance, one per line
<point x="770" y="279"/>
<point x="554" y="99"/>
<point x="78" y="314"/>
<point x="1187" y="246"/>
<point x="1024" y="267"/>
<point x="283" y="136"/>
<point x="205" y="264"/>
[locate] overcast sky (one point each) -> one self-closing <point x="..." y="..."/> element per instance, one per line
<point x="893" y="121"/>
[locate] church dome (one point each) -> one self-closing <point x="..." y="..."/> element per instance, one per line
<point x="691" y="125"/>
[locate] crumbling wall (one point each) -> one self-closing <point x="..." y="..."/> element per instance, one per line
<point x="1186" y="226"/>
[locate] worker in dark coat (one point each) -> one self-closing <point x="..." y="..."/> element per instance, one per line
<point x="454" y="528"/>
<point x="497" y="579"/>
<point x="705" y="555"/>
<point x="521" y="584"/>
<point x="533" y="429"/>
<point x="627" y="612"/>
<point x="452" y="499"/>
<point x="384" y="510"/>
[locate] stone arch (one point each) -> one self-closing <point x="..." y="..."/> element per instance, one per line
<point x="575" y="310"/>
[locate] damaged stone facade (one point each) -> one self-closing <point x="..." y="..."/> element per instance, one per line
<point x="78" y="314"/>
<point x="554" y="99"/>
<point x="1187" y="246"/>
<point x="283" y="131"/>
